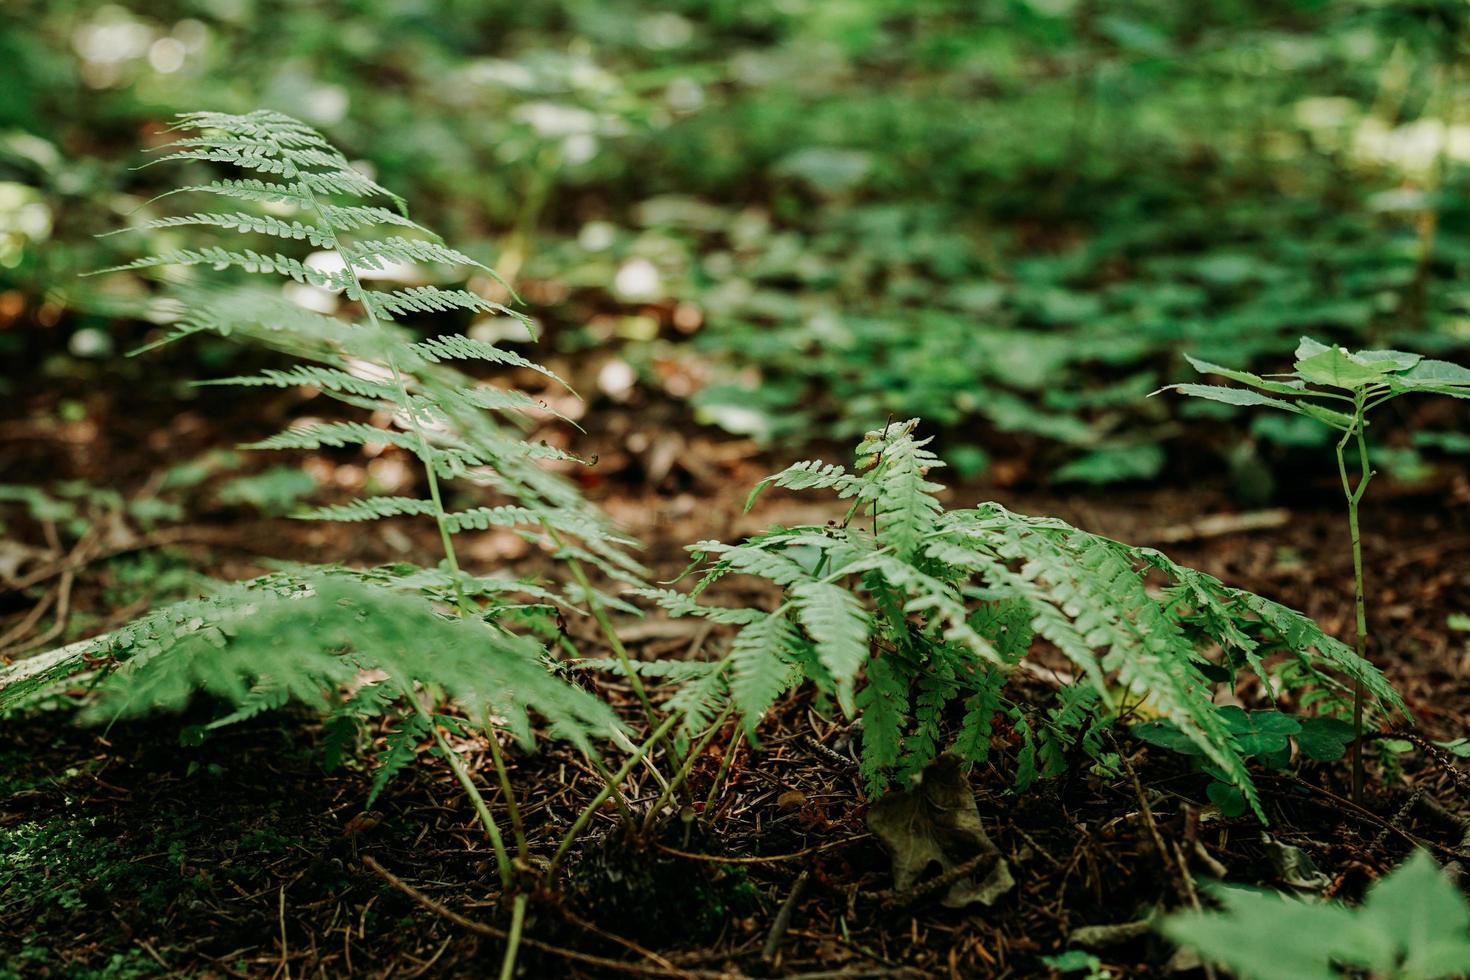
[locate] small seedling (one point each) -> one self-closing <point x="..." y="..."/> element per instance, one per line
<point x="1339" y="388"/>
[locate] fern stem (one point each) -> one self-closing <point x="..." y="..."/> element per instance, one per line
<point x="513" y="938"/>
<point x="725" y="763"/>
<point x="492" y="830"/>
<point x="685" y="769"/>
<point x="517" y="829"/>
<point x="586" y="815"/>
<point x="441" y="518"/>
<point x="610" y="781"/>
<point x="621" y="652"/>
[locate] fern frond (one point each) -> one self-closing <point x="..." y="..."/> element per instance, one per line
<point x="884" y="701"/>
<point x="905" y="506"/>
<point x="310" y="375"/>
<point x="451" y="347"/>
<point x="680" y="604"/>
<point x="813" y="474"/>
<point x="931" y="609"/>
<point x="433" y="299"/>
<point x="400" y="749"/>
<point x="838" y="625"/>
<point x="699" y="700"/>
<point x="332" y="628"/>
<point x="760" y="668"/>
<point x="260" y="224"/>
<point x="247" y="260"/>
<point x="374" y="254"/>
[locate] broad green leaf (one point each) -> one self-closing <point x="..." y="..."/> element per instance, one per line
<point x="1246" y="377"/>
<point x="1324" y="739"/>
<point x="1413" y="925"/>
<point x="1228" y="799"/>
<point x="1435" y="374"/>
<point x="1166" y="735"/>
<point x="1259" y="732"/>
<point x="1113" y="465"/>
<point x="1232" y="396"/>
<point x="1401" y="360"/>
<point x="1265" y="936"/>
<point x="1342" y="369"/>
<point x="1307" y="347"/>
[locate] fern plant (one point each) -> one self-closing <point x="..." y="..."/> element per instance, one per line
<point x="1339" y="388"/>
<point x="917" y="618"/>
<point x="399" y="638"/>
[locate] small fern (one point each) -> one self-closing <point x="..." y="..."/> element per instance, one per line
<point x="919" y="619"/>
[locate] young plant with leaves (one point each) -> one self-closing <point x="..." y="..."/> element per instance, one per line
<point x="918" y="617"/>
<point x="1414" y="924"/>
<point x="1339" y="388"/>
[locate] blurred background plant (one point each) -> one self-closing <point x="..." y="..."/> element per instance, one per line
<point x="798" y="216"/>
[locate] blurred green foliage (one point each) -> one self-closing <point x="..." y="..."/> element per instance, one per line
<point x="804" y="215"/>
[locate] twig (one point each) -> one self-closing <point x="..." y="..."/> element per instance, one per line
<point x="902" y="899"/>
<point x="783" y="917"/>
<point x="1218" y="525"/>
<point x="485" y="929"/>
<point x="1190" y="894"/>
<point x="57" y="627"/>
<point x="1369" y="815"/>
<point x="1398" y="818"/>
<point x="24" y="627"/>
<point x="158" y="539"/>
<point x="285" y="967"/>
<point x="764" y="859"/>
<point x="1436" y="754"/>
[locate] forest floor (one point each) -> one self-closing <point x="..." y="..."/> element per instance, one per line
<point x="125" y="853"/>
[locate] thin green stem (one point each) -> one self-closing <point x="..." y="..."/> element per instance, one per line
<point x="607" y="790"/>
<point x="684" y="770"/>
<point x="610" y="781"/>
<point x="492" y="830"/>
<point x="513" y="938"/>
<point x="516" y="828"/>
<point x="441" y="517"/>
<point x="599" y="613"/>
<point x="725" y="763"/>
<point x="1353" y="495"/>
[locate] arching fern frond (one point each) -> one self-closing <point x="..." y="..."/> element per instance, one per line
<point x="310" y="635"/>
